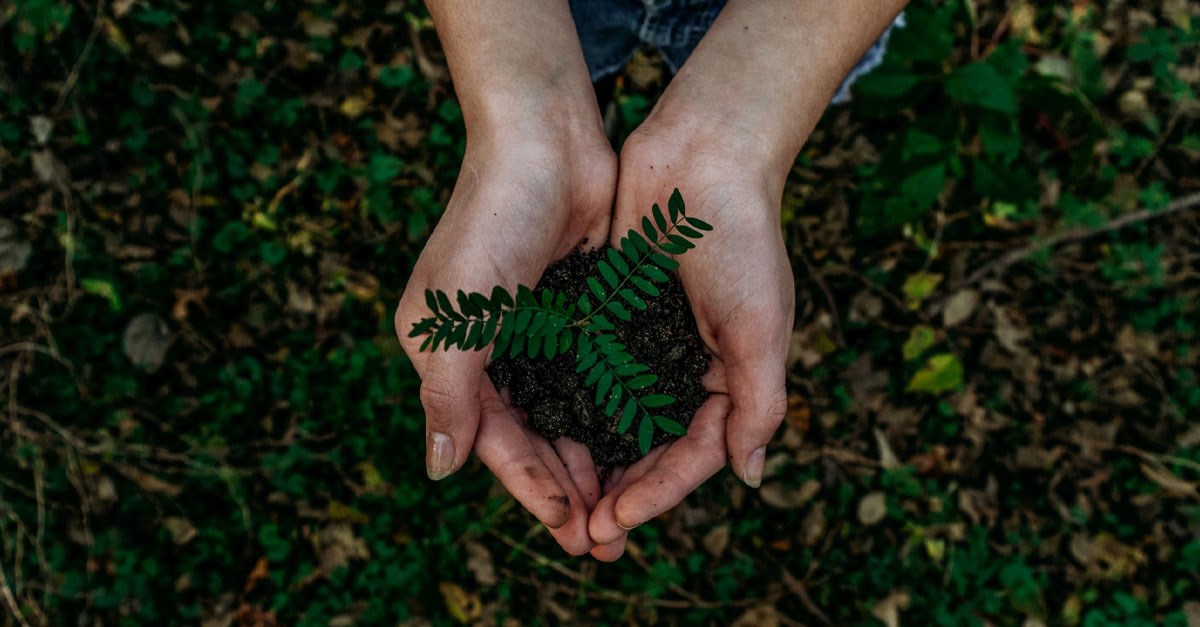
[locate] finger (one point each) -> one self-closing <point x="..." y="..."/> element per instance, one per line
<point x="578" y="460"/>
<point x="504" y="447"/>
<point x="572" y="536"/>
<point x="610" y="552"/>
<point x="602" y="526"/>
<point x="687" y="463"/>
<point x="450" y="392"/>
<point x="757" y="390"/>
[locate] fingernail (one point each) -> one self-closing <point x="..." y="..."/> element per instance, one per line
<point x="439" y="459"/>
<point x="752" y="474"/>
<point x="631" y="528"/>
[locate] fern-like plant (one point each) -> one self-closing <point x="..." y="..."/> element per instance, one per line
<point x="545" y="324"/>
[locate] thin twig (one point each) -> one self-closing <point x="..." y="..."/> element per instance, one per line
<point x="11" y="600"/>
<point x="1191" y="201"/>
<point x="73" y="77"/>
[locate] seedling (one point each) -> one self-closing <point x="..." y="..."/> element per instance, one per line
<point x="546" y="325"/>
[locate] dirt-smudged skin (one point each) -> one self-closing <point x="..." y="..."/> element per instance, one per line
<point x="664" y="337"/>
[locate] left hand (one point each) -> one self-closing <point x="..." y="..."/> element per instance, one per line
<point x="739" y="282"/>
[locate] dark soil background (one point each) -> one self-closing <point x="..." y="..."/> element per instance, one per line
<point x="209" y="210"/>
<point x="663" y="337"/>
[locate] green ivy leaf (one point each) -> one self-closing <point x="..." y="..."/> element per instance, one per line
<point x="941" y="373"/>
<point x="920" y="339"/>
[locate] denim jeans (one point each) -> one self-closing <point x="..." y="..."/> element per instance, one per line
<point x="612" y="30"/>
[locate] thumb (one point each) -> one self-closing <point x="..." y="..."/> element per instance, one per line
<point x="450" y="395"/>
<point x="759" y="397"/>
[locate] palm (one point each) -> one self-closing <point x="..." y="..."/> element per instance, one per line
<point x="739" y="283"/>
<point x="520" y="210"/>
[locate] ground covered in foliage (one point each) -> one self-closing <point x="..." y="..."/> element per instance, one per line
<point x="208" y="211"/>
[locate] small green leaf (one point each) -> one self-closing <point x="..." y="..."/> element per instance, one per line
<point x="525" y="297"/>
<point x="639" y="242"/>
<point x="564" y="341"/>
<point x="594" y="375"/>
<point x="628" y="413"/>
<point x="523" y="318"/>
<point x="657" y="400"/>
<point x="425" y="344"/>
<point x="422" y="327"/>
<point x="645" y="435"/>
<point x="641" y="382"/>
<point x="659" y="220"/>
<point x="619" y="310"/>
<point x="682" y="242"/>
<point x="610" y="408"/>
<point x="442" y="335"/>
<point x="648" y="229"/>
<point x="918" y="287"/>
<point x="501" y="298"/>
<point x="585" y="304"/>
<point x="602" y="386"/>
<point x="675" y="205"/>
<point x="606" y="271"/>
<point x="447" y="308"/>
<point x="674" y="249"/>
<point x="670" y="426"/>
<point x="489" y="331"/>
<point x="920" y="339"/>
<point x="518" y="344"/>
<point x="480" y="301"/>
<point x="663" y="261"/>
<point x="647" y="287"/>
<point x="654" y="273"/>
<point x="629" y="250"/>
<point x="601" y="323"/>
<point x="472" y="337"/>
<point x="431" y="301"/>
<point x="617" y="261"/>
<point x="466" y="305"/>
<point x="539" y="320"/>
<point x="550" y="347"/>
<point x="457" y="336"/>
<point x="688" y="232"/>
<point x="632" y="298"/>
<point x="587" y="361"/>
<point x="941" y="373"/>
<point x="697" y="223"/>
<point x="533" y="345"/>
<point x="597" y="289"/>
<point x="630" y="369"/>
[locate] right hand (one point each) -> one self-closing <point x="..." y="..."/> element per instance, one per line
<point x="518" y="205"/>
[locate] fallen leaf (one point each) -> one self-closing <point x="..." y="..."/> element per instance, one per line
<point x="14" y="253"/>
<point x="887" y="457"/>
<point x="777" y="495"/>
<point x="872" y="508"/>
<point x="479" y="562"/>
<point x="920" y="339"/>
<point x="887" y="609"/>
<point x="465" y="607"/>
<point x="942" y="373"/>
<point x="919" y="286"/>
<point x="146" y="341"/>
<point x="182" y="530"/>
<point x="1191" y="610"/>
<point x="761" y="616"/>
<point x="717" y="539"/>
<point x="1171" y="484"/>
<point x="959" y="308"/>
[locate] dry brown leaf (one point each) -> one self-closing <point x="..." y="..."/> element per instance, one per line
<point x="959" y="307"/>
<point x="146" y="341"/>
<point x="1169" y="482"/>
<point x="717" y="539"/>
<point x="761" y="616"/>
<point x="872" y="508"/>
<point x="887" y="609"/>
<point x="887" y="457"/>
<point x="479" y="562"/>
<point x="1191" y="610"/>
<point x="181" y="529"/>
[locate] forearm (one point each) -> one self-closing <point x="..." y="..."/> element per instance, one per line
<point x="517" y="65"/>
<point x="766" y="70"/>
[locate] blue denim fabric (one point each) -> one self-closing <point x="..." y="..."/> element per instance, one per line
<point x="612" y="30"/>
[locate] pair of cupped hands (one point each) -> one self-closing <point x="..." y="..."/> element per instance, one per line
<point x="530" y="195"/>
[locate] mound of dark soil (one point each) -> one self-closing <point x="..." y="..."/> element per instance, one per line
<point x="664" y="337"/>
